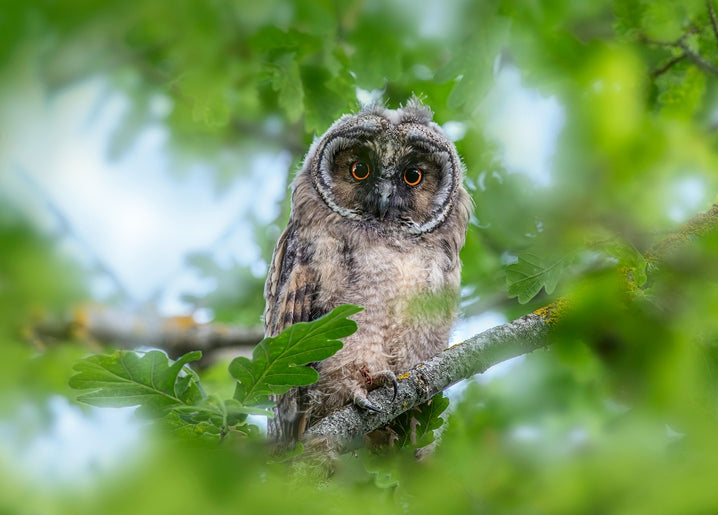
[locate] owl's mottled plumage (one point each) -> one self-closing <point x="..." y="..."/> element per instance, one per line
<point x="359" y="232"/>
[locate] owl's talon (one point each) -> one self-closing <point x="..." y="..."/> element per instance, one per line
<point x="387" y="378"/>
<point x="362" y="401"/>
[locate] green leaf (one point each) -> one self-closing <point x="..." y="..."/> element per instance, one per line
<point x="663" y="21"/>
<point x="386" y="474"/>
<point x="416" y="426"/>
<point x="681" y="91"/>
<point x="375" y="56"/>
<point x="287" y="81"/>
<point x="326" y="97"/>
<point x="471" y="66"/>
<point x="531" y="273"/>
<point x="127" y="378"/>
<point x="278" y="362"/>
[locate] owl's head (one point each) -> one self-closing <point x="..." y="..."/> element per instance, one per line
<point x="387" y="168"/>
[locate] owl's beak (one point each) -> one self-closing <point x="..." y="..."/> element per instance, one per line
<point x="386" y="190"/>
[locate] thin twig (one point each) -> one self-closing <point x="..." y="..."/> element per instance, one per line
<point x="650" y="41"/>
<point x="663" y="69"/>
<point x="687" y="52"/>
<point x="714" y="21"/>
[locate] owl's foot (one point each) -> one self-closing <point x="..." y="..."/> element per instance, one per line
<point x="384" y="378"/>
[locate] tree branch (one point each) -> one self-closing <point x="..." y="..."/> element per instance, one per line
<point x="176" y="335"/>
<point x="696" y="59"/>
<point x="697" y="227"/>
<point x="346" y="426"/>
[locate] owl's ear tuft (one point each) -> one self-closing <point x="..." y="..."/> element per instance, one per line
<point x="416" y="111"/>
<point x="376" y="106"/>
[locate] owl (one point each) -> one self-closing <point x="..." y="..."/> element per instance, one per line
<point x="378" y="217"/>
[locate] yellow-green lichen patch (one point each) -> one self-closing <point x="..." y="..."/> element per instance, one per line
<point x="551" y="313"/>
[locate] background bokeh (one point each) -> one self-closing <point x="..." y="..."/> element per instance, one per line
<point x="146" y="149"/>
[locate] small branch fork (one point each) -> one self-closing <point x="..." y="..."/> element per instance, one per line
<point x="687" y="52"/>
<point x="697" y="59"/>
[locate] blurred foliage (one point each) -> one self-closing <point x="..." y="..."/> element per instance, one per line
<point x="34" y="279"/>
<point x="619" y="415"/>
<point x="238" y="297"/>
<point x="417" y="426"/>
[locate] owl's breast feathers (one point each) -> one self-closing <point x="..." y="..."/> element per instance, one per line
<point x="408" y="286"/>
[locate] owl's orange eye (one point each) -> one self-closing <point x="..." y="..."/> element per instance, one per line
<point x="413" y="176"/>
<point x="360" y="171"/>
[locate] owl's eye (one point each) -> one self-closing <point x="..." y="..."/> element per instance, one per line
<point x="360" y="171"/>
<point x="412" y="176"/>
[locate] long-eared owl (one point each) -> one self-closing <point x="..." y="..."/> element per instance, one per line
<point x="378" y="218"/>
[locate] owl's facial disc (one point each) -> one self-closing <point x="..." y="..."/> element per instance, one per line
<point x="382" y="170"/>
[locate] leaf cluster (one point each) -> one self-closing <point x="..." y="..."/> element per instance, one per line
<point x="171" y="390"/>
<point x="416" y="428"/>
<point x="538" y="268"/>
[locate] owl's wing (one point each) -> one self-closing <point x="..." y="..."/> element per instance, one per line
<point x="289" y="292"/>
<point x="290" y="286"/>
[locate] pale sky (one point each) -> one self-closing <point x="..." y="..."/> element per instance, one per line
<point x="132" y="214"/>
